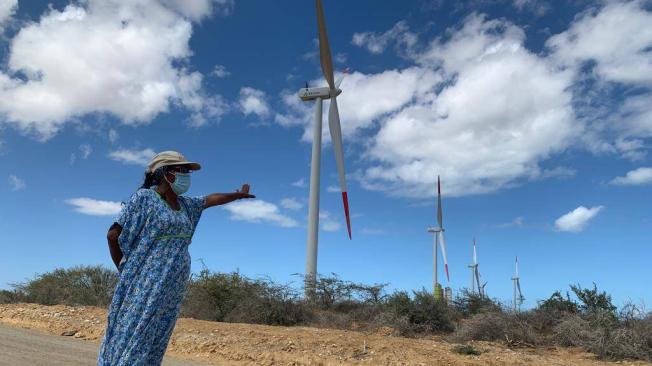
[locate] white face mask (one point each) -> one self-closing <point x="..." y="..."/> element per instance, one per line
<point x="181" y="183"/>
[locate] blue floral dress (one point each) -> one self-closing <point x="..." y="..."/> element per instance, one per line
<point x="153" y="278"/>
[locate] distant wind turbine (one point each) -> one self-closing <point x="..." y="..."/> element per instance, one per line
<point x="318" y="95"/>
<point x="518" y="295"/>
<point x="438" y="237"/>
<point x="475" y="274"/>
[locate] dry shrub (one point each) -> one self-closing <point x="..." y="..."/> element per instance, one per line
<point x="482" y="327"/>
<point x="81" y="285"/>
<point x="572" y="331"/>
<point x="513" y="329"/>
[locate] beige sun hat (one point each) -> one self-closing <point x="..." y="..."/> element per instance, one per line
<point x="166" y="158"/>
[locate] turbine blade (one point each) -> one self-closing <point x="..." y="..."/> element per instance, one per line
<point x="439" y="214"/>
<point x="324" y="48"/>
<point x="518" y="286"/>
<point x="443" y="254"/>
<point x="336" y="139"/>
<point x="341" y="78"/>
<point x="516" y="266"/>
<point x="475" y="255"/>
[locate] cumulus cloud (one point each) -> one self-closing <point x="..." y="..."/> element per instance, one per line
<point x="635" y="177"/>
<point x="7" y="10"/>
<point x="376" y="43"/>
<point x="382" y="93"/>
<point x="16" y="183"/>
<point x="291" y="204"/>
<point x="259" y="211"/>
<point x="609" y="48"/>
<point x="501" y="112"/>
<point x="134" y="157"/>
<point x="253" y="101"/>
<point x="93" y="207"/>
<point x="617" y="37"/>
<point x="576" y="220"/>
<point x="123" y="58"/>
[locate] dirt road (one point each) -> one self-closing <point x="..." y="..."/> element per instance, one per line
<point x="246" y="344"/>
<point x="24" y="347"/>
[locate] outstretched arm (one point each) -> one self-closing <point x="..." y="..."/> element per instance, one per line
<point x="216" y="199"/>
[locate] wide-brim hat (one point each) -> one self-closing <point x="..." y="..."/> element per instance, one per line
<point x="166" y="158"/>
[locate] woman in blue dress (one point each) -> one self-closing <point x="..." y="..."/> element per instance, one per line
<point x="149" y="245"/>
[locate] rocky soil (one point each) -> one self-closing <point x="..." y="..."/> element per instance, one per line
<point x="245" y="344"/>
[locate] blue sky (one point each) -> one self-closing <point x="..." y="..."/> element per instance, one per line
<point x="537" y="117"/>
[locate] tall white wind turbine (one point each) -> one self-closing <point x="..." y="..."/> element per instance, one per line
<point x="318" y="95"/>
<point x="438" y="237"/>
<point x="475" y="273"/>
<point x="518" y="295"/>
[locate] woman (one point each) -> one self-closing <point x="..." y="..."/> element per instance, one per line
<point x="149" y="245"/>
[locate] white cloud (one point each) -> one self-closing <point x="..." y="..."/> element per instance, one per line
<point x="220" y="71"/>
<point x="538" y="7"/>
<point x="608" y="47"/>
<point x="85" y="150"/>
<point x="300" y="183"/>
<point x="135" y="157"/>
<point x="501" y="111"/>
<point x="576" y="220"/>
<point x="617" y="37"/>
<point x="376" y="43"/>
<point x="291" y="204"/>
<point x="258" y="211"/>
<point x="89" y="206"/>
<point x="517" y="222"/>
<point x="365" y="98"/>
<point x="7" y="10"/>
<point x="253" y="101"/>
<point x="635" y="177"/>
<point x="124" y="58"/>
<point x="327" y="223"/>
<point x="16" y="183"/>
<point x="333" y="189"/>
<point x="199" y="9"/>
<point x="113" y="136"/>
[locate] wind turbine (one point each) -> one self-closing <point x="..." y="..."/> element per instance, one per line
<point x="438" y="237"/>
<point x="518" y="296"/>
<point x="318" y="95"/>
<point x="475" y="274"/>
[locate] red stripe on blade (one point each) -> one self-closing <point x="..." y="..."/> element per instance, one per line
<point x="345" y="199"/>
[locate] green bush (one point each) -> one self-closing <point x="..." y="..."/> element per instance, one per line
<point x="469" y="303"/>
<point x="82" y="285"/>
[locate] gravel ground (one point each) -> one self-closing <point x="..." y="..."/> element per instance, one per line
<point x="24" y="347"/>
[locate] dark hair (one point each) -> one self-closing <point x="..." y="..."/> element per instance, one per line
<point x="154" y="178"/>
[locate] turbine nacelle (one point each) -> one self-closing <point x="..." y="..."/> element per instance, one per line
<point x="313" y="93"/>
<point x="436" y="229"/>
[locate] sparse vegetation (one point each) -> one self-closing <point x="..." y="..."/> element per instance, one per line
<point x="466" y="349"/>
<point x="584" y="317"/>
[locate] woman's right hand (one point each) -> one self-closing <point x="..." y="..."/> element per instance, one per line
<point x="243" y="193"/>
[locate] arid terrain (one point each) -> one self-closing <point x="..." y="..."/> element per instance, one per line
<point x="244" y="344"/>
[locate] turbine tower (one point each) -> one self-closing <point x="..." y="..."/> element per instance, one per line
<point x="438" y="237"/>
<point x="475" y="274"/>
<point x="318" y="95"/>
<point x="518" y="296"/>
